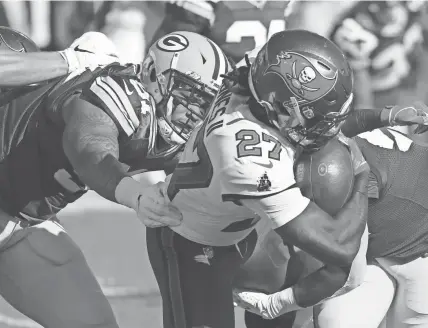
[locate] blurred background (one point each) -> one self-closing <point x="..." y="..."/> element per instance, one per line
<point x="53" y="25"/>
<point x="110" y="235"/>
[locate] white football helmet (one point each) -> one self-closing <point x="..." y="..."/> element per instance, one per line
<point x="182" y="71"/>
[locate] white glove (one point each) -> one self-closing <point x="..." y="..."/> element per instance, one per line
<point x="267" y="306"/>
<point x="91" y="50"/>
<point x="150" y="204"/>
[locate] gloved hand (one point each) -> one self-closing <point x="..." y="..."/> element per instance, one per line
<point x="415" y="113"/>
<point x="149" y="202"/>
<point x="154" y="208"/>
<point x="91" y="50"/>
<point x="267" y="306"/>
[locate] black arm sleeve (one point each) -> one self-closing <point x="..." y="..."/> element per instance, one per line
<point x="362" y="120"/>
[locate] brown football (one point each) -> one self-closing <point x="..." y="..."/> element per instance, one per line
<point x="326" y="176"/>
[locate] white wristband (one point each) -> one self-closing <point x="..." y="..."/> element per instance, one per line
<point x="127" y="192"/>
<point x="280" y="303"/>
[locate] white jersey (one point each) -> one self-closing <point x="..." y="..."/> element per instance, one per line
<point x="228" y="160"/>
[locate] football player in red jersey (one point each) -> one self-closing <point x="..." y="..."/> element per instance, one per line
<point x="91" y="130"/>
<point x="22" y="63"/>
<point x="236" y="26"/>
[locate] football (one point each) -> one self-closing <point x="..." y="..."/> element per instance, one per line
<point x="326" y="176"/>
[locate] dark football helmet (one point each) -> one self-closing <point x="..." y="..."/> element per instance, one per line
<point x="12" y="40"/>
<point x="304" y="85"/>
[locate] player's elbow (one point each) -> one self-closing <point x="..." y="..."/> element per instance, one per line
<point x="347" y="254"/>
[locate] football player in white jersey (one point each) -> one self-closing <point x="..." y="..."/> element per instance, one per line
<point x="237" y="169"/>
<point x="21" y="62"/>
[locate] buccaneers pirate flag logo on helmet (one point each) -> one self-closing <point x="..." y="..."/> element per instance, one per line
<point x="302" y="77"/>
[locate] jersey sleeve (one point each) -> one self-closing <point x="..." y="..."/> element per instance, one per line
<point x="191" y="15"/>
<point x="124" y="99"/>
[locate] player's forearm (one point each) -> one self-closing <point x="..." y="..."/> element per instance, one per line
<point x="329" y="240"/>
<point x="320" y="285"/>
<point x="90" y="142"/>
<point x="332" y="281"/>
<point x="364" y="120"/>
<point x="18" y="69"/>
<point x="94" y="158"/>
<point x="318" y="238"/>
<point x="352" y="219"/>
<point x="332" y="240"/>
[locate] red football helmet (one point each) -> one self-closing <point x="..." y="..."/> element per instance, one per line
<point x="304" y="84"/>
<point x="12" y="40"/>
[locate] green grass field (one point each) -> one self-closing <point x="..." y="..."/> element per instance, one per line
<point x="113" y="241"/>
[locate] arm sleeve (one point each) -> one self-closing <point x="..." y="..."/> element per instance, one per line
<point x="362" y="120"/>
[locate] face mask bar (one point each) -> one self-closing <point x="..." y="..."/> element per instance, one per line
<point x="327" y="128"/>
<point x="185" y="102"/>
<point x="312" y="138"/>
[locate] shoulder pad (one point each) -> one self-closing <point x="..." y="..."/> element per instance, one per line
<point x="119" y="92"/>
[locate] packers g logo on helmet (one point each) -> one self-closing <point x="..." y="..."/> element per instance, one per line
<point x="173" y="43"/>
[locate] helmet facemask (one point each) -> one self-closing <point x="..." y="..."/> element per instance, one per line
<point x="184" y="104"/>
<point x="311" y="132"/>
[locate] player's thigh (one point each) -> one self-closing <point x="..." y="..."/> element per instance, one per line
<point x="364" y="306"/>
<point x="410" y="306"/>
<point x="45" y="276"/>
<point x="195" y="280"/>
